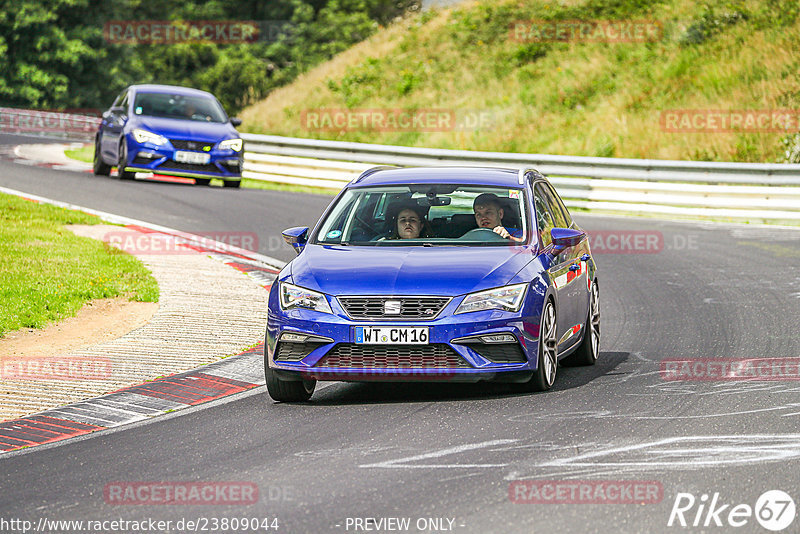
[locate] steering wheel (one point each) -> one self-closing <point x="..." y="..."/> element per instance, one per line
<point x="482" y="234"/>
<point x="366" y="224"/>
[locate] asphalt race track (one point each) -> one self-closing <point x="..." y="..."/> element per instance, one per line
<point x="450" y="453"/>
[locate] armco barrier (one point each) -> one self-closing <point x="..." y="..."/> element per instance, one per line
<point x="753" y="191"/>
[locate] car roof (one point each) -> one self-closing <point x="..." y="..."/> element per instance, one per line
<point x="172" y="89"/>
<point x="440" y="175"/>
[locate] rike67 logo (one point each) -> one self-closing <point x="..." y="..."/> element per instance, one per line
<point x="774" y="510"/>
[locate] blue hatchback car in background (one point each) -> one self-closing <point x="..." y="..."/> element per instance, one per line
<point x="441" y="274"/>
<point x="172" y="131"/>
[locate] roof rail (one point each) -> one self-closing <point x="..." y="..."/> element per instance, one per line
<point x="373" y="170"/>
<point x="523" y="172"/>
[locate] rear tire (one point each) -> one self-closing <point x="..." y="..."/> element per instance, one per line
<point x="547" y="366"/>
<point x="99" y="166"/>
<point x="202" y="181"/>
<point x="589" y="349"/>
<point x="286" y="390"/>
<point x="123" y="162"/>
<point x="232" y="183"/>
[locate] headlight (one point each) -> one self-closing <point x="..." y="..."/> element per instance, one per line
<point x="231" y="144"/>
<point x="508" y="298"/>
<point x="299" y="297"/>
<point x="143" y="136"/>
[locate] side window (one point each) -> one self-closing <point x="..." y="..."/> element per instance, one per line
<point x="124" y="103"/>
<point x="562" y="207"/>
<point x="544" y="219"/>
<point x="558" y="216"/>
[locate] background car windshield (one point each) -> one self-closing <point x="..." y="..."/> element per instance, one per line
<point x="169" y="106"/>
<point x="368" y="216"/>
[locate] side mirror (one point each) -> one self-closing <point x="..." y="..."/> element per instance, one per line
<point x="566" y="237"/>
<point x="118" y="110"/>
<point x="236" y="122"/>
<point x="296" y="237"/>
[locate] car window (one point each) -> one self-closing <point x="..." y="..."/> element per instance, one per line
<point x="176" y="106"/>
<point x="368" y="216"/>
<point x="559" y="219"/>
<point x="561" y="206"/>
<point x="544" y="217"/>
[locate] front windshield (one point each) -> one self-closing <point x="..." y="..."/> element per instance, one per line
<point x="169" y="106"/>
<point x="426" y="215"/>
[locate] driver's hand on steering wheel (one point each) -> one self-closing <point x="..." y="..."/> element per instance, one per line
<point x="501" y="231"/>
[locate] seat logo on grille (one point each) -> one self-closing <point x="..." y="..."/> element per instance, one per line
<point x="392" y="307"/>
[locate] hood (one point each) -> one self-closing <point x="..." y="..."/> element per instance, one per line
<point x="209" y="132"/>
<point x="450" y="271"/>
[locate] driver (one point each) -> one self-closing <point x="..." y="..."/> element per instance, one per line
<point x="489" y="214"/>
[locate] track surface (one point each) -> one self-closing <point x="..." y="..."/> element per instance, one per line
<point x="451" y="451"/>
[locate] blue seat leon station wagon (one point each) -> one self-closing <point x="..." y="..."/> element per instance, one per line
<point x="439" y="274"/>
<point x="171" y="131"/>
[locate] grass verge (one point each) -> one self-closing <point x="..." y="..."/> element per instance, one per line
<point x="47" y="273"/>
<point x="85" y="153"/>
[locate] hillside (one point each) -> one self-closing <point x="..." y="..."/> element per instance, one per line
<point x="580" y="96"/>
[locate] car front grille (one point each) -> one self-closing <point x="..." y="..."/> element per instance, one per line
<point x="500" y="352"/>
<point x="186" y="144"/>
<point x="375" y="308"/>
<point x="177" y="166"/>
<point x="434" y="356"/>
<point x="294" y="352"/>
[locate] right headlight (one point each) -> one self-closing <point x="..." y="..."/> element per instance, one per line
<point x="507" y="298"/>
<point x="292" y="296"/>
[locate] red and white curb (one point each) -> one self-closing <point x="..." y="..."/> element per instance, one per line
<point x="136" y="403"/>
<point x="226" y="377"/>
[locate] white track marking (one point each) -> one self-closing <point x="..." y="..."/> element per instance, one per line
<point x="403" y="463"/>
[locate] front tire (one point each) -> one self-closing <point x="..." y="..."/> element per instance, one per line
<point x="286" y="390"/>
<point x="547" y="366"/>
<point x="100" y="167"/>
<point x="589" y="349"/>
<point x="123" y="162"/>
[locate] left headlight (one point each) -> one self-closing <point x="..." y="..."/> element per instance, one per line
<point x="292" y="296"/>
<point x="507" y="298"/>
<point x="143" y="136"/>
<point x="231" y="144"/>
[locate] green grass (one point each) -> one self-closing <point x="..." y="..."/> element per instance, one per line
<point x="85" y="153"/>
<point x="47" y="273"/>
<point x="571" y="98"/>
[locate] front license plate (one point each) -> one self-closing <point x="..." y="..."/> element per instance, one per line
<point x="394" y="335"/>
<point x="197" y="158"/>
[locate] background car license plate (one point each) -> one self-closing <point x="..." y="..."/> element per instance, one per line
<point x="192" y="157"/>
<point x="394" y="335"/>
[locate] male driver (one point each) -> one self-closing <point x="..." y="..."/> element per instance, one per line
<point x="488" y="214"/>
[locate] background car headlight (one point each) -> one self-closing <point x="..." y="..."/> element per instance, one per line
<point x="231" y="144"/>
<point x="507" y="298"/>
<point x="143" y="136"/>
<point x="292" y="296"/>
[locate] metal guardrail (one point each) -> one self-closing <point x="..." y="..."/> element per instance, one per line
<point x="753" y="191"/>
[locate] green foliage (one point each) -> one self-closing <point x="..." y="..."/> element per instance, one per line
<point x="53" y="53"/>
<point x="713" y="20"/>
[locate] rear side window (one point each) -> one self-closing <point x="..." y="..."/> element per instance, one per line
<point x="561" y="206"/>
<point x="549" y="198"/>
<point x="544" y="215"/>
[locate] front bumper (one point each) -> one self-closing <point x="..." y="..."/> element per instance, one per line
<point x="442" y="359"/>
<point x="160" y="159"/>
